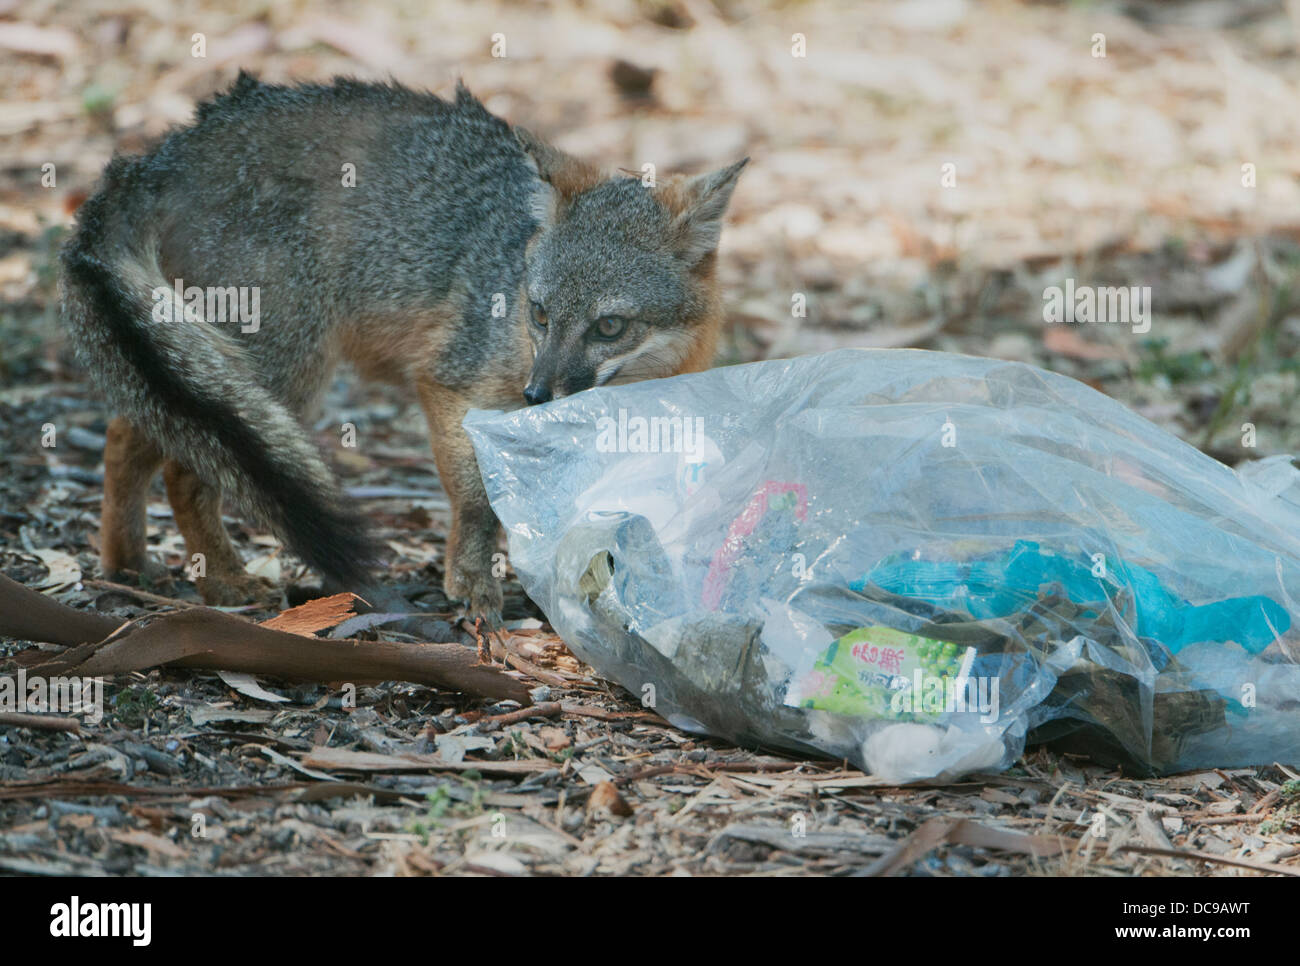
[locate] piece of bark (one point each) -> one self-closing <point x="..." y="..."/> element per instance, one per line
<point x="205" y="638"/>
<point x="30" y="616"/>
<point x="315" y="615"/>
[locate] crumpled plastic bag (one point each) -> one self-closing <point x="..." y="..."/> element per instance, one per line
<point x="912" y="560"/>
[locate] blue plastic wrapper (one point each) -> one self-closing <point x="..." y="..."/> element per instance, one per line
<point x="913" y="560"/>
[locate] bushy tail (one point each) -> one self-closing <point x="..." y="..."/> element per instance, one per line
<point x="187" y="385"/>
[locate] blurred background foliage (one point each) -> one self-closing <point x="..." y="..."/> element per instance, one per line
<point x="1122" y="169"/>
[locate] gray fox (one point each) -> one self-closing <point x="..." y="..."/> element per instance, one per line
<point x="212" y="285"/>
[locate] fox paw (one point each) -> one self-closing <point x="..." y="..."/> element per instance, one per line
<point x="145" y="573"/>
<point x="234" y="590"/>
<point x="481" y="592"/>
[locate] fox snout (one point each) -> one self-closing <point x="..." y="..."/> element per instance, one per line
<point x="537" y="392"/>
<point x="554" y="378"/>
<point x="543" y="388"/>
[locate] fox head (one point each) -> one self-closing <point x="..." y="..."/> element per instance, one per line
<point x="620" y="282"/>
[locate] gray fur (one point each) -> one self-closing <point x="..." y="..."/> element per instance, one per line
<point x="447" y="203"/>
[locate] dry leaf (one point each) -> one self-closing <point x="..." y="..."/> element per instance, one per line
<point x="606" y="798"/>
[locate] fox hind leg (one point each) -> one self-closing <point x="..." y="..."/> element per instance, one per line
<point x="130" y="461"/>
<point x="197" y="508"/>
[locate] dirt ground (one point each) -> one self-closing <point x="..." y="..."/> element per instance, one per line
<point x="1171" y="162"/>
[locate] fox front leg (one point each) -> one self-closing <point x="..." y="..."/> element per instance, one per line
<point x="470" y="547"/>
<point x="475" y="532"/>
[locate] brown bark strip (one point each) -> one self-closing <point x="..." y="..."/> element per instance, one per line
<point x="30" y="616"/>
<point x="314" y="616"/>
<point x="205" y="638"/>
<point x="216" y="641"/>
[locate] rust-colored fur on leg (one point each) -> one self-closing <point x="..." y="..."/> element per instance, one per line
<point x="197" y="508"/>
<point x="472" y="539"/>
<point x="130" y="462"/>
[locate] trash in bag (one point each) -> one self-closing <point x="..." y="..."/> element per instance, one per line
<point x="912" y="560"/>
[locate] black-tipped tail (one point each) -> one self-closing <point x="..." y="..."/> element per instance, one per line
<point x="183" y="389"/>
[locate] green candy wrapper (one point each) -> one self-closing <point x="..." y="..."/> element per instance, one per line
<point x="884" y="673"/>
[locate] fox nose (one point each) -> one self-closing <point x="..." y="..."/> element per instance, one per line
<point x="537" y="393"/>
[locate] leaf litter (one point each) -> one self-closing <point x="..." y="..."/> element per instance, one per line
<point x="1068" y="166"/>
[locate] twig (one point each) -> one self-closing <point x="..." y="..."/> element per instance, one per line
<point x="532" y="670"/>
<point x="601" y="714"/>
<point x="707" y="771"/>
<point x="140" y="594"/>
<point x="1223" y="819"/>
<point x="546" y="709"/>
<point x="64" y="788"/>
<point x="1266" y="801"/>
<point x="1210" y="857"/>
<point x="44" y="722"/>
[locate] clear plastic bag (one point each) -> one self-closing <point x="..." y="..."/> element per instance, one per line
<point x="912" y="560"/>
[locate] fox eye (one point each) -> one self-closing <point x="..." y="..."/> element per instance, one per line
<point x="610" y="327"/>
<point x="539" y="316"/>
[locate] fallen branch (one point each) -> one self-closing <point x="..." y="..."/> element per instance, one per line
<point x="30" y="616"/>
<point x="205" y="638"/>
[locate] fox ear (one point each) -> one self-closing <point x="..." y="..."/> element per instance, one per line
<point x="561" y="176"/>
<point x="699" y="204"/>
